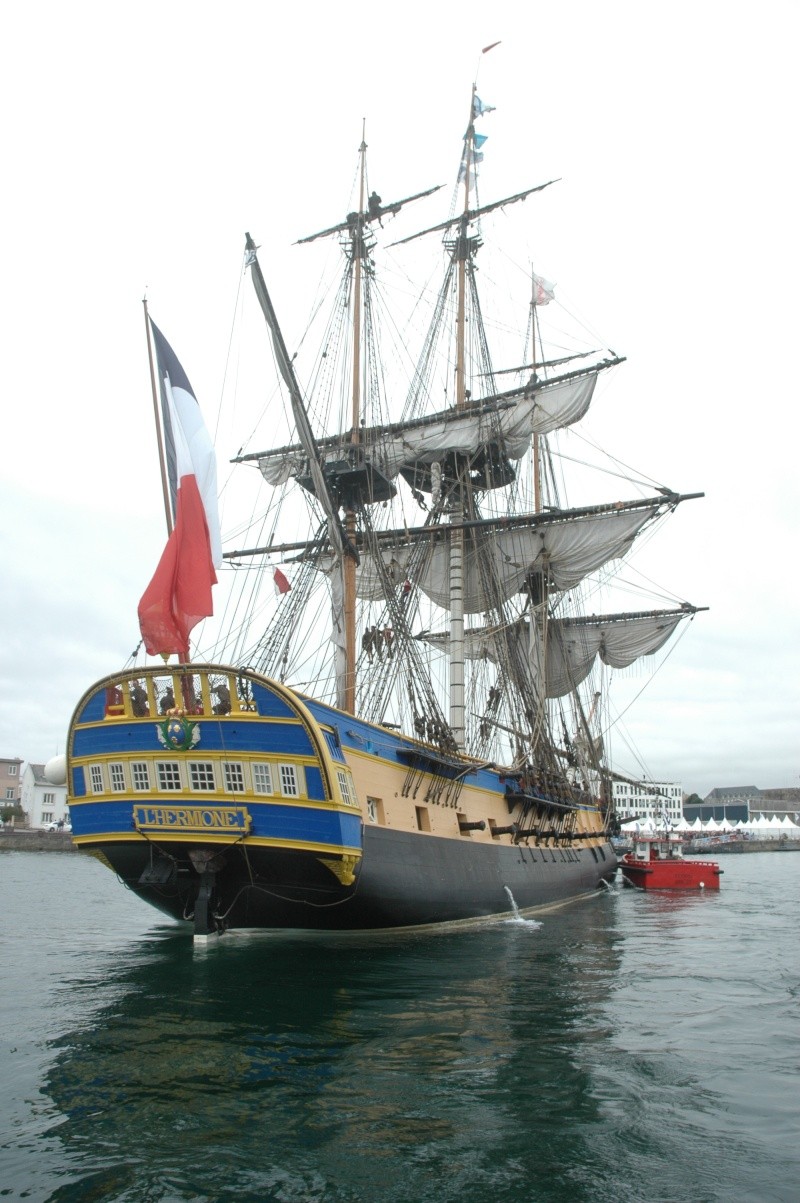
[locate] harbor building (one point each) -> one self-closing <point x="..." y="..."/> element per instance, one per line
<point x="43" y="802"/>
<point x="648" y="801"/>
<point x="10" y="780"/>
<point x="745" y="803"/>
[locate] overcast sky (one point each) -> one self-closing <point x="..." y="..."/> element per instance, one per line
<point x="142" y="141"/>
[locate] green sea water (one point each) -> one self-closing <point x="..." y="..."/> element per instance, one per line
<point x="630" y="1047"/>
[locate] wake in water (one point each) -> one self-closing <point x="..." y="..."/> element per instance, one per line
<point x="516" y="915"/>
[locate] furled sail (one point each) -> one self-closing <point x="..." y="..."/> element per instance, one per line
<point x="618" y="639"/>
<point x="574" y="644"/>
<point x="499" y="559"/>
<point x="506" y="422"/>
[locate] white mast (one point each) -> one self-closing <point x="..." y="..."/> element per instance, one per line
<point x="457" y="724"/>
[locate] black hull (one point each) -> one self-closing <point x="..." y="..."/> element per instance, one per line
<point x="404" y="880"/>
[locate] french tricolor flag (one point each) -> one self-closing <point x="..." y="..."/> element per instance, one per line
<point x="179" y="595"/>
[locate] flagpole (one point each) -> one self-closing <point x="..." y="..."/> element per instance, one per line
<point x="537" y="467"/>
<point x="164" y="484"/>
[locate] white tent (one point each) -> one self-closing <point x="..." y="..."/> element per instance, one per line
<point x="696" y="825"/>
<point x="725" y="825"/>
<point x="711" y="825"/>
<point x="637" y="827"/>
<point x="765" y="829"/>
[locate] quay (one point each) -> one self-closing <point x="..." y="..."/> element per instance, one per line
<point x="704" y="847"/>
<point x="18" y="839"/>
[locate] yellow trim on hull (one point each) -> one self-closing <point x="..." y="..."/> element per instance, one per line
<point x="209" y="801"/>
<point x="250" y="841"/>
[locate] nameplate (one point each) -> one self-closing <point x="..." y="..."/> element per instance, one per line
<point x="192" y="818"/>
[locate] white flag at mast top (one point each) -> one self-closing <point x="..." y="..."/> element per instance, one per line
<point x="543" y="291"/>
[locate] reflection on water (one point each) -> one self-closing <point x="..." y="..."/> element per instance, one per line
<point x="373" y="1062"/>
<point x="323" y="1067"/>
<point x="575" y="1059"/>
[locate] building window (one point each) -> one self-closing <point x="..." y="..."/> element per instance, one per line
<point x="169" y="775"/>
<point x="262" y="778"/>
<point x="201" y="775"/>
<point x="48" y="800"/>
<point x="10" y="794"/>
<point x="13" y="769"/>
<point x="140" y="775"/>
<point x="117" y="774"/>
<point x="290" y="787"/>
<point x="234" y="778"/>
<point x="96" y="774"/>
<point x="47" y="816"/>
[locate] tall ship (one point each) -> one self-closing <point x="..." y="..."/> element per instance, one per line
<point x="404" y="729"/>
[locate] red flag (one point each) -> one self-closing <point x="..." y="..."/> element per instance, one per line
<point x="281" y="582"/>
<point x="179" y="594"/>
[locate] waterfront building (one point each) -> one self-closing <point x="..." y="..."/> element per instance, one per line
<point x="731" y="802"/>
<point x="647" y="801"/>
<point x="43" y="802"/>
<point x="745" y="803"/>
<point x="10" y="780"/>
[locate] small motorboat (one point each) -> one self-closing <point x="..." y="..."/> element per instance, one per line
<point x="656" y="862"/>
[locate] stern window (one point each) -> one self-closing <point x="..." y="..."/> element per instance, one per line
<point x="140" y="775"/>
<point x="290" y="784"/>
<point x="117" y="774"/>
<point x="169" y="775"/>
<point x="347" y="788"/>
<point x="262" y="778"/>
<point x="96" y="774"/>
<point x="201" y="775"/>
<point x="234" y="778"/>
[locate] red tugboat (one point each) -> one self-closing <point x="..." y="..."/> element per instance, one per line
<point x="656" y="863"/>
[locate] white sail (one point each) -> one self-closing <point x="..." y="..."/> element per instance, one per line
<point x="511" y="426"/>
<point x="472" y="558"/>
<point x="497" y="562"/>
<point x="573" y="644"/>
<point x="567" y="551"/>
<point x="507" y="422"/>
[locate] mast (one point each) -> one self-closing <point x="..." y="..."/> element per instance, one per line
<point x="358" y="250"/>
<point x="462" y="250"/>
<point x="351" y="481"/>
<point x="538" y="590"/>
<point x="343" y="548"/>
<point x="537" y="479"/>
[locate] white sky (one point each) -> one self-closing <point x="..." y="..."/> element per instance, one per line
<point x="140" y="143"/>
